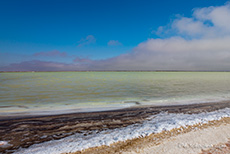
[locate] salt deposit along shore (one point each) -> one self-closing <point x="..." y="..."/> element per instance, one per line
<point x="154" y="132"/>
<point x="211" y="137"/>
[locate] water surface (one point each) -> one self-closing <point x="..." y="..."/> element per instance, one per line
<point x="42" y="92"/>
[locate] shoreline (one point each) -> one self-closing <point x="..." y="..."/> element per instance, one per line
<point x="199" y="138"/>
<point x="22" y="132"/>
<point x="113" y="71"/>
<point x="171" y="108"/>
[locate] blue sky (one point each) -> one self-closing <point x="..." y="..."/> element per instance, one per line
<point x="89" y="30"/>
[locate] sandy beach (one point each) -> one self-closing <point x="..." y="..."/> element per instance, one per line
<point x="25" y="131"/>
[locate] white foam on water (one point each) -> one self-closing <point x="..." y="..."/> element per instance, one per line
<point x="153" y="124"/>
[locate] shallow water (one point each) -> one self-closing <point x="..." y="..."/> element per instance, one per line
<point x="44" y="92"/>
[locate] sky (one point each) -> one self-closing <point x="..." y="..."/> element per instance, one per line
<point x="72" y="35"/>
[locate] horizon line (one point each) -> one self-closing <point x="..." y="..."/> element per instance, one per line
<point x="118" y="71"/>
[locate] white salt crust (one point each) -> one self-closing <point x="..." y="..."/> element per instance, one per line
<point x="153" y="124"/>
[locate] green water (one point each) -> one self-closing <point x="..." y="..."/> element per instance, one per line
<point x="86" y="91"/>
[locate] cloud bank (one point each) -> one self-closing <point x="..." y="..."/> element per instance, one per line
<point x="199" y="42"/>
<point x="37" y="65"/>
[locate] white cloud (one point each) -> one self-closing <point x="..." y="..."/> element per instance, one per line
<point x="201" y="42"/>
<point x="219" y="16"/>
<point x="205" y="22"/>
<point x="114" y="43"/>
<point x="189" y="26"/>
<point x="86" y="41"/>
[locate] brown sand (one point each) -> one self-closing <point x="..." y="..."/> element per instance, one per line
<point x="28" y="130"/>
